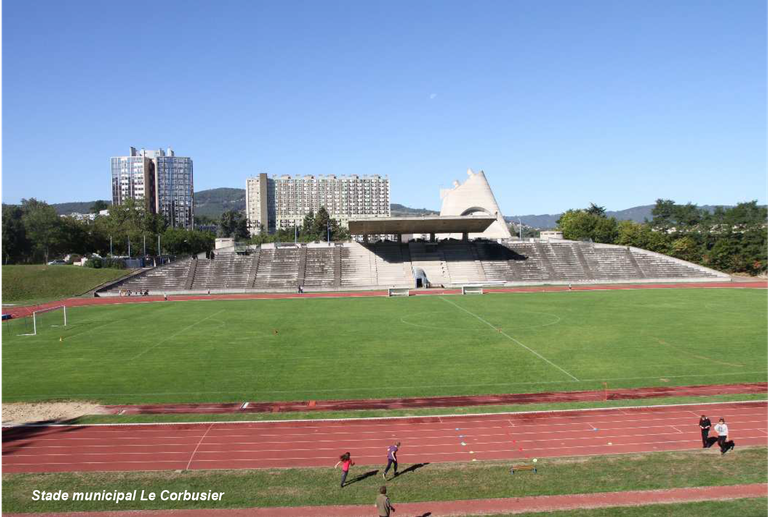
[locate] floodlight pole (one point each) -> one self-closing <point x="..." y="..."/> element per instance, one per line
<point x="295" y="233"/>
<point x="145" y="244"/>
<point x="110" y="245"/>
<point x="328" y="225"/>
<point x="129" y="247"/>
<point x="158" y="245"/>
<point x="521" y="227"/>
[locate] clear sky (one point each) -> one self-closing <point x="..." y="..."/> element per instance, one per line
<point x="561" y="103"/>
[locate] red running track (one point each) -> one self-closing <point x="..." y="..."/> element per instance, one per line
<point x="20" y="312"/>
<point x="307" y="443"/>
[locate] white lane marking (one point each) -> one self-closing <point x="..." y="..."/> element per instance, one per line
<point x="198" y="446"/>
<point x="676" y="429"/>
<point x="534" y="352"/>
<point x="174" y="335"/>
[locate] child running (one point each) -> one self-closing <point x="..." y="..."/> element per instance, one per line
<point x="346" y="461"/>
<point x="391" y="459"/>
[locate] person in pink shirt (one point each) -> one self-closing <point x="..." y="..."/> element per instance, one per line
<point x="345" y="460"/>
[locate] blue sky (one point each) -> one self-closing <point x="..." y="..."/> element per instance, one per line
<point x="561" y="103"/>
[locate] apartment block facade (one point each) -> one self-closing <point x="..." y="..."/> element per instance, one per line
<point x="278" y="202"/>
<point x="160" y="180"/>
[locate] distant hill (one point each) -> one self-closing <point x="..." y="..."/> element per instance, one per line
<point x="637" y="214"/>
<point x="214" y="202"/>
<point x="404" y="211"/>
<point x="81" y="207"/>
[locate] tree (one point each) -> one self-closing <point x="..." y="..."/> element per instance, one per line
<point x="15" y="243"/>
<point x="308" y="227"/>
<point x="98" y="206"/>
<point x="233" y="224"/>
<point x="663" y="213"/>
<point x="596" y="210"/>
<point x="581" y="225"/>
<point x="321" y="224"/>
<point x="42" y="226"/>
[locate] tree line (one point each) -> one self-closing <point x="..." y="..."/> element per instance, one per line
<point x="33" y="232"/>
<point x="733" y="240"/>
<point x="314" y="227"/>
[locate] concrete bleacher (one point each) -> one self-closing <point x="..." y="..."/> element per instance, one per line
<point x="357" y="266"/>
<point x="392" y="270"/>
<point x="430" y="258"/>
<point x="390" y="264"/>
<point x="321" y="268"/>
<point x="169" y="277"/>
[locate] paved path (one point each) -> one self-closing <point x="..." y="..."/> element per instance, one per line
<point x="317" y="443"/>
<point x="508" y="506"/>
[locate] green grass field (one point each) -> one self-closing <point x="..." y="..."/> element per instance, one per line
<point x="26" y="285"/>
<point x="346" y="348"/>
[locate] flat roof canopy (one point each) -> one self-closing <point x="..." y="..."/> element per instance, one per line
<point x="434" y="224"/>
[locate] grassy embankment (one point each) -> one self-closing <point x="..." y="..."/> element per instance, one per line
<point x="430" y="482"/>
<point x="27" y="285"/>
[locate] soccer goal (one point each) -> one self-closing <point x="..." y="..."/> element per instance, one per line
<point x="45" y="319"/>
<point x="471" y="289"/>
<point x="398" y="291"/>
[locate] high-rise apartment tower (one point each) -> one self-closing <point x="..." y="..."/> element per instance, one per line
<point x="158" y="179"/>
<point x="283" y="201"/>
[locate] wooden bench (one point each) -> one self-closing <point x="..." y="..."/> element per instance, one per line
<point x="522" y="467"/>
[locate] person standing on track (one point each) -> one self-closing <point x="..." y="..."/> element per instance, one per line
<point x="723" y="438"/>
<point x="346" y="461"/>
<point x="382" y="503"/>
<point x="391" y="459"/>
<point x="704" y="425"/>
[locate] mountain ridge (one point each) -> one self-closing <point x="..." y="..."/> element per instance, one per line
<point x="213" y="202"/>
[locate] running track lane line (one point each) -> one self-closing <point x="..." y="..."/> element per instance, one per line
<point x="512" y="505"/>
<point x="511" y="338"/>
<point x="427" y="440"/>
<point x="198" y="446"/>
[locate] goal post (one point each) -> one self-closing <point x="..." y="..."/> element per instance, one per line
<point x="471" y="289"/>
<point x="398" y="291"/>
<point x="48" y="318"/>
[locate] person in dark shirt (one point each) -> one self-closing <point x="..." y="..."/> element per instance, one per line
<point x="704" y="425"/>
<point x="391" y="459"/>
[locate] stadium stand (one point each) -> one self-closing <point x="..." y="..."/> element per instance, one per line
<point x="389" y="264"/>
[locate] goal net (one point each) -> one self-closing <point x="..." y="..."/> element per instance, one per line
<point x="398" y="291"/>
<point x="46" y="319"/>
<point x="471" y="289"/>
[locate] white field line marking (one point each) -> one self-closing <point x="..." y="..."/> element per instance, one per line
<point x="174" y="335"/>
<point x="676" y="429"/>
<point x="245" y="405"/>
<point x="380" y="388"/>
<point x="384" y="418"/>
<point x="534" y="352"/>
<point x="198" y="446"/>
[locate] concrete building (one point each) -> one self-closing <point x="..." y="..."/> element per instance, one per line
<point x="160" y="180"/>
<point x="277" y="202"/>
<point x="474" y="197"/>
